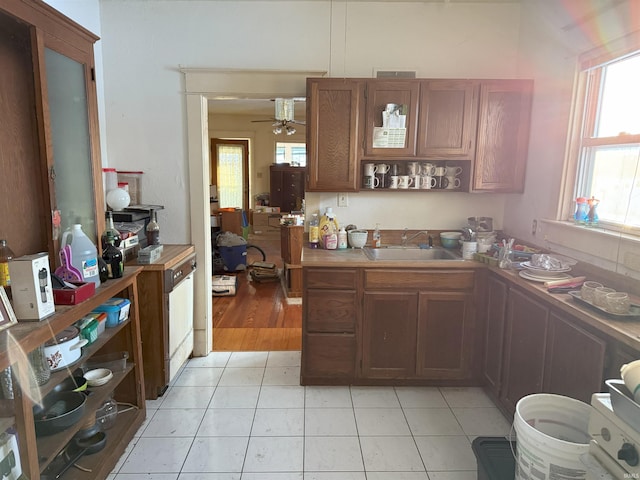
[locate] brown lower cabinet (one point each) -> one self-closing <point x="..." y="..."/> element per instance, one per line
<point x="531" y="347"/>
<point x="385" y="326"/>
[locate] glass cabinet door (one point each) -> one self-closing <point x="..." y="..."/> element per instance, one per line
<point x="71" y="139"/>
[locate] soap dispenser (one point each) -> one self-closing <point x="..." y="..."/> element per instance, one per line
<point x="376" y="236"/>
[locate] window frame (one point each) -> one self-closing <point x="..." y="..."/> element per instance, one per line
<point x="584" y="112"/>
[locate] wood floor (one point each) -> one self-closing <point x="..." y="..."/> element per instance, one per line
<point x="258" y="317"/>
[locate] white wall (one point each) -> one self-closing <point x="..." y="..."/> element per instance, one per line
<point x="145" y="43"/>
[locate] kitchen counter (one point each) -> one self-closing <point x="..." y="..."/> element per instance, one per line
<point x="624" y="331"/>
<point x="355" y="257"/>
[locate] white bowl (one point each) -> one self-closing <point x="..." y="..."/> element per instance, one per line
<point x="98" y="377"/>
<point x="358" y="238"/>
<point x="450" y="239"/>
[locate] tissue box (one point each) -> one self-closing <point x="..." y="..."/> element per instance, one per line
<point x="149" y="254"/>
<point x="73" y="296"/>
<point x="31" y="287"/>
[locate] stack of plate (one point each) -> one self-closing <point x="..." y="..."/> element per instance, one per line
<point x="539" y="274"/>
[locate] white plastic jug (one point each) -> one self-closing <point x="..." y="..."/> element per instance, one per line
<point x="84" y="254"/>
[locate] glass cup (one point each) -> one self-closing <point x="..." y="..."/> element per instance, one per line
<point x="618" y="302"/>
<point x="588" y="291"/>
<point x="600" y="296"/>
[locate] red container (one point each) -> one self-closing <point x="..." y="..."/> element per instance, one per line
<point x="73" y="296"/>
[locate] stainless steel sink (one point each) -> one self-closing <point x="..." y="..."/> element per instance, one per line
<point x="410" y="253"/>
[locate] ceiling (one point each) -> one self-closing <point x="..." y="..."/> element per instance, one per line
<point x="253" y="106"/>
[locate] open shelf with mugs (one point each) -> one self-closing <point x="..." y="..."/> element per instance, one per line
<point x="403" y="175"/>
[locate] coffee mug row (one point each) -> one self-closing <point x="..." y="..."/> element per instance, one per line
<point x="404" y="182"/>
<point x="412" y="168"/>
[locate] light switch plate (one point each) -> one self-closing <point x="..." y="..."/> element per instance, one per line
<point x="343" y="200"/>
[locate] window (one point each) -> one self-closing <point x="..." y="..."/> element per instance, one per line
<point x="292" y="153"/>
<point x="609" y="150"/>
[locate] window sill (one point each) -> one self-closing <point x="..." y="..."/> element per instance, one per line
<point x="612" y="250"/>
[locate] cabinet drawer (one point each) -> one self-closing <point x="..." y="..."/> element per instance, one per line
<point x="330" y="311"/>
<point x="419" y="279"/>
<point x="330" y="278"/>
<point x="327" y="355"/>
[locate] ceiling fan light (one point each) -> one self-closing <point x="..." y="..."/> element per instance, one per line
<point x="277" y="130"/>
<point x="284" y="109"/>
<point x="290" y="130"/>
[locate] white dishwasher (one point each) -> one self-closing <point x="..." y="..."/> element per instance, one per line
<point x="180" y="324"/>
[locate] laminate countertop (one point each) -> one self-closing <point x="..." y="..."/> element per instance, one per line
<point x="625" y="331"/>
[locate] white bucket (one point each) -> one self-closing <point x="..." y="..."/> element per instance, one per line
<point x="552" y="433"/>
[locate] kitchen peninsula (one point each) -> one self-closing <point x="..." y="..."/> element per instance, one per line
<point x="447" y="322"/>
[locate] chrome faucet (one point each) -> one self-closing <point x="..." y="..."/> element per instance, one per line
<point x="406" y="239"/>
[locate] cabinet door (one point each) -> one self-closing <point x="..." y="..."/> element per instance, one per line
<point x="389" y="335"/>
<point x="448" y="117"/>
<point x="527" y="325"/>
<point x="575" y="360"/>
<point x="276" y="187"/>
<point x="496" y="298"/>
<point x="379" y="94"/>
<point x="503" y="135"/>
<point x="445" y="335"/>
<point x="334" y="133"/>
<point x="328" y="359"/>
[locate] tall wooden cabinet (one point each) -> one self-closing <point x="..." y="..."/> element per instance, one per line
<point x="334" y="133"/>
<point x="50" y="153"/>
<point x="286" y="187"/>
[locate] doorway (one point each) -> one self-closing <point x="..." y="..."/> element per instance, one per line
<point x="230" y="172"/>
<point x="200" y="85"/>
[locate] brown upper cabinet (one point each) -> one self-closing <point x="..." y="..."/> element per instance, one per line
<point x="503" y="135"/>
<point x="448" y="118"/>
<point x="379" y="94"/>
<point x="482" y="122"/>
<point x="334" y="133"/>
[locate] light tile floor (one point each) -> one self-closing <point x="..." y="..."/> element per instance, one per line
<point x="244" y="416"/>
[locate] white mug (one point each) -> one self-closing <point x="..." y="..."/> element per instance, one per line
<point x="395" y="181"/>
<point x="405" y="181"/>
<point x="371" y="181"/>
<point x="452" y="182"/>
<point x="452" y="171"/>
<point x="370" y="169"/>
<point x="428" y="169"/>
<point x="440" y="171"/>
<point x="427" y="182"/>
<point x="382" y="168"/>
<point x="413" y="168"/>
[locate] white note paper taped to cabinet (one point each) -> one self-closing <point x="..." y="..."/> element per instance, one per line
<point x="389" y="137"/>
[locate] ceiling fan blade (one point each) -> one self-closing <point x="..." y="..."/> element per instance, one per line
<point x="297" y="122"/>
<point x="267" y="120"/>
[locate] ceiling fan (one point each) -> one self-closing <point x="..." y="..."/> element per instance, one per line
<point x="284" y="116"/>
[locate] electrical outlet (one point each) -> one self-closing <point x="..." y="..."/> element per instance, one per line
<point x="343" y="200"/>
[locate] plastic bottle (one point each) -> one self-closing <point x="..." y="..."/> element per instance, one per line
<point x="328" y="228"/>
<point x="376" y="236"/>
<point x="84" y="254"/>
<point x="582" y="211"/>
<point x="153" y="230"/>
<point x="342" y="238"/>
<point x="6" y="254"/>
<point x="314" y="232"/>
